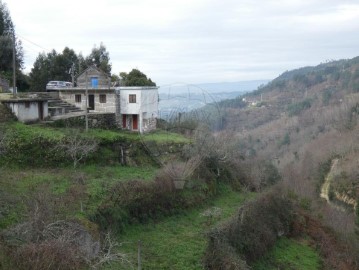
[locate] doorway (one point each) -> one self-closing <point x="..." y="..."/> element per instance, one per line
<point x="91" y="102"/>
<point x="41" y="110"/>
<point x="134" y="122"/>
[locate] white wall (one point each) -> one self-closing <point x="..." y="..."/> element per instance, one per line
<point x="146" y="106"/>
<point x="130" y="108"/>
<point x="28" y="114"/>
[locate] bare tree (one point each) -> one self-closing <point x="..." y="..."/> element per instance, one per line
<point x="77" y="147"/>
<point x="109" y="253"/>
<point x="181" y="171"/>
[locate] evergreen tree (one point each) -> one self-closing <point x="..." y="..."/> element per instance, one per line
<point x="7" y="32"/>
<point x="99" y="57"/>
<point x="53" y="67"/>
<point x="136" y="78"/>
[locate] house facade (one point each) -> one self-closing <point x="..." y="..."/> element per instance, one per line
<point x="93" y="78"/>
<point x="99" y="100"/>
<point x="138" y="107"/>
<point x="101" y="97"/>
<point x="135" y="108"/>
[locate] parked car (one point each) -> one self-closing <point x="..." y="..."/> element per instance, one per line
<point x="52" y="85"/>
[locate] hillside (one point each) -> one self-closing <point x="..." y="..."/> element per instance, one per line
<point x="303" y="122"/>
<point x="244" y="195"/>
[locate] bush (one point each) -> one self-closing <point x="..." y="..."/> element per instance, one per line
<point x="54" y="254"/>
<point x="224" y="257"/>
<point x="139" y="201"/>
<point x="253" y="230"/>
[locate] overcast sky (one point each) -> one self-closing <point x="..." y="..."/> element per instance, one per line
<point x="193" y="41"/>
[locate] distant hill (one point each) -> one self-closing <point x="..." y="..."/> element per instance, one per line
<point x="187" y="97"/>
<point x="303" y="121"/>
<point x="220" y="87"/>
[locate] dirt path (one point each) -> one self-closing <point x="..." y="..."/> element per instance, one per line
<point x="324" y="191"/>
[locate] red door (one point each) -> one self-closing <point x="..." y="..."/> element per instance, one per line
<point x="124" y="120"/>
<point x="134" y="122"/>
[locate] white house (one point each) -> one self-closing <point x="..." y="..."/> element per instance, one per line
<point x="138" y="107"/>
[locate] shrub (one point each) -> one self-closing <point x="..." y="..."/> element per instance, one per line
<point x="222" y="256"/>
<point x="54" y="254"/>
<point x="138" y="201"/>
<point x="253" y="230"/>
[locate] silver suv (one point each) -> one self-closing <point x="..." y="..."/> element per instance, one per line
<point x="52" y="85"/>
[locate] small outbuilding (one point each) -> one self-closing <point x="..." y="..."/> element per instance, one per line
<point x="28" y="110"/>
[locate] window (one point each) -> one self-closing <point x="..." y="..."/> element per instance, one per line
<point x="132" y="98"/>
<point x="27" y="104"/>
<point x="94" y="82"/>
<point x="102" y="98"/>
<point x="78" y="98"/>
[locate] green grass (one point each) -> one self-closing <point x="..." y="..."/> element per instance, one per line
<point x="88" y="185"/>
<point x="162" y="136"/>
<point x="104" y="136"/>
<point x="29" y="132"/>
<point x="176" y="242"/>
<point x="290" y="254"/>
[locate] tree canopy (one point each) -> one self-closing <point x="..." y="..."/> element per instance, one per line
<point x="7" y="30"/>
<point x="136" y="78"/>
<point x="55" y="66"/>
<point x="100" y="57"/>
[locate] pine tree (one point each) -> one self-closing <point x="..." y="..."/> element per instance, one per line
<point x="7" y="33"/>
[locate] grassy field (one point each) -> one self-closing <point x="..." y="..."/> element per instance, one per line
<point x="177" y="242"/>
<point x="290" y="254"/>
<point x="83" y="188"/>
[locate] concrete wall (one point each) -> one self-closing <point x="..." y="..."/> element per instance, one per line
<point x="30" y="114"/>
<point x="125" y="106"/>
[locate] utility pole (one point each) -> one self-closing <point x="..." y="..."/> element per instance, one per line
<point x="13" y="64"/>
<point x="73" y="74"/>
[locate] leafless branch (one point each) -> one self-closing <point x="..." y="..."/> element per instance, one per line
<point x="77" y="147"/>
<point x="109" y="254"/>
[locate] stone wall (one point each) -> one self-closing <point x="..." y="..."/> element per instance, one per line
<point x="104" y="81"/>
<point x="95" y="120"/>
<point x="69" y="96"/>
<point x="149" y="124"/>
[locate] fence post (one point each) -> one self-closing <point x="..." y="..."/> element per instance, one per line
<point x="139" y="255"/>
